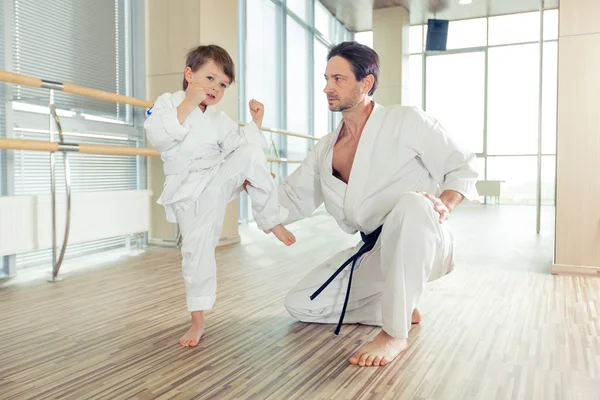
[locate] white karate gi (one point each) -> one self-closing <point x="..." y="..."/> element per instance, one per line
<point x="206" y="161"/>
<point x="401" y="150"/>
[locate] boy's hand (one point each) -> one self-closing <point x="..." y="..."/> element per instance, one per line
<point x="257" y="111"/>
<point x="194" y="94"/>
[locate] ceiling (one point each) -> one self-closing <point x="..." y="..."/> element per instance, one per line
<point x="357" y="15"/>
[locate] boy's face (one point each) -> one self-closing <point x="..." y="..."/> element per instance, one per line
<point x="212" y="79"/>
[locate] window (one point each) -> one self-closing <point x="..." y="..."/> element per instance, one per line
<point x="92" y="52"/>
<point x="551" y="25"/>
<point x="83" y="42"/>
<point x="481" y="168"/>
<point x="462" y="34"/>
<point x="455" y="95"/>
<point x="3" y="184"/>
<point x="285" y="59"/>
<point x="322" y="126"/>
<point x="3" y="159"/>
<point x="415" y="67"/>
<point x="415" y="80"/>
<point x="89" y="173"/>
<point x="519" y="175"/>
<point x="299" y="7"/>
<point x="262" y="72"/>
<point x="304" y="108"/>
<point x="502" y="28"/>
<point x="415" y="39"/>
<point x="548" y="179"/>
<point x="322" y="17"/>
<point x="549" y="90"/>
<point x="298" y="115"/>
<point x="467" y="33"/>
<point x="455" y="83"/>
<point x="513" y="99"/>
<point x="365" y="38"/>
<point x="340" y="33"/>
<point x="513" y="94"/>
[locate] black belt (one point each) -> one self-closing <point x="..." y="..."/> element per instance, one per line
<point x="368" y="244"/>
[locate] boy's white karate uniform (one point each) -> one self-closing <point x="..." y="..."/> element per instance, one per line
<point x="206" y="161"/>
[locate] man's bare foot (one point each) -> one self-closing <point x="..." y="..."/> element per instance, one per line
<point x="193" y="335"/>
<point x="283" y="235"/>
<point x="380" y="351"/>
<point x="416" y="316"/>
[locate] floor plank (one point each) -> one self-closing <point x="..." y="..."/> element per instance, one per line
<point x="111" y="333"/>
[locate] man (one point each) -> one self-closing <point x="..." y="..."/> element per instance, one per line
<point x="379" y="174"/>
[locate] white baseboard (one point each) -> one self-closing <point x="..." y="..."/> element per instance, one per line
<point x="26" y="221"/>
<point x="575" y="270"/>
<point x="224" y="241"/>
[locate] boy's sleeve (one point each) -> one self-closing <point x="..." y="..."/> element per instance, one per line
<point x="163" y="130"/>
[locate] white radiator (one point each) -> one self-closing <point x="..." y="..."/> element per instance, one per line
<point x="26" y="221"/>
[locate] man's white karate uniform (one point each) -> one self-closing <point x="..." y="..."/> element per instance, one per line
<point x="401" y="150"/>
<point x="206" y="161"/>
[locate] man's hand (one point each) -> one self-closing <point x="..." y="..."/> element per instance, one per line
<point x="445" y="204"/>
<point x="257" y="111"/>
<point x="246" y="183"/>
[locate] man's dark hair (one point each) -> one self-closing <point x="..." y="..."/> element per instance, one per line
<point x="363" y="59"/>
<point x="200" y="55"/>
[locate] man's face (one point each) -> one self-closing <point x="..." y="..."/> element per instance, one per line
<point x="342" y="89"/>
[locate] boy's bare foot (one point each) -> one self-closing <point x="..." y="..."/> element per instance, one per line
<point x="193" y="335"/>
<point x="283" y="235"/>
<point x="380" y="351"/>
<point x="416" y="316"/>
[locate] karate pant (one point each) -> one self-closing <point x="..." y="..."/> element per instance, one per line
<point x="201" y="220"/>
<point x="388" y="281"/>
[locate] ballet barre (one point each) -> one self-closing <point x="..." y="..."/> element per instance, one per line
<point x="64" y="147"/>
<point x="18" y="79"/>
<point x="83" y="148"/>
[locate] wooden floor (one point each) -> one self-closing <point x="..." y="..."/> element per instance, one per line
<point x="111" y="333"/>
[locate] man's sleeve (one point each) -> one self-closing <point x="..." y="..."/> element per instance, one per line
<point x="300" y="193"/>
<point x="449" y="163"/>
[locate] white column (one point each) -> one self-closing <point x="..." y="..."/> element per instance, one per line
<point x="390" y="41"/>
<point x="577" y="241"/>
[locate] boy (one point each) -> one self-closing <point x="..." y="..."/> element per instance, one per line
<point x="206" y="161"/>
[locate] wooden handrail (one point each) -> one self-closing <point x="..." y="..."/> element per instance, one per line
<point x="18" y="79"/>
<point x="40" y="145"/>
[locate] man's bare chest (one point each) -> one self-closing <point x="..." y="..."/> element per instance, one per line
<point x="344" y="152"/>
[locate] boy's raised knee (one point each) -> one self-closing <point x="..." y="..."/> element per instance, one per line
<point x="251" y="151"/>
